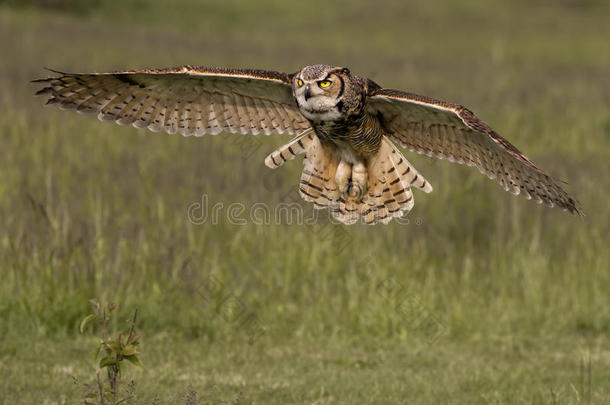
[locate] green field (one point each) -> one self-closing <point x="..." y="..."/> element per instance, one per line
<point x="482" y="298"/>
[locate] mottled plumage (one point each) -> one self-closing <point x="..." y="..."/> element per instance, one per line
<point x="344" y="124"/>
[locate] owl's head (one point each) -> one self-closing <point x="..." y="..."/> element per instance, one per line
<point x="319" y="91"/>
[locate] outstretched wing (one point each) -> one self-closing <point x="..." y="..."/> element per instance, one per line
<point x="450" y="131"/>
<point x="188" y="100"/>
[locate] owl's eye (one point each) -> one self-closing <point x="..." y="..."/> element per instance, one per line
<point x="300" y="82"/>
<point x="325" y="83"/>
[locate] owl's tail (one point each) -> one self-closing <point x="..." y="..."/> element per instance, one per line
<point x="389" y="180"/>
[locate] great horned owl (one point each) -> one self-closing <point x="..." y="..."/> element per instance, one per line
<point x="345" y="125"/>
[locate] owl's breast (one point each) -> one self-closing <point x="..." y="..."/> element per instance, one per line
<point x="362" y="134"/>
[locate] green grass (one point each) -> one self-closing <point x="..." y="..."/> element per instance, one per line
<point x="514" y="295"/>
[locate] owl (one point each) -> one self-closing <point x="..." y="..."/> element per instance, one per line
<point x="346" y="126"/>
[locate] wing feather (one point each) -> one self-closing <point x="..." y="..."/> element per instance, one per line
<point x="188" y="100"/>
<point x="452" y="132"/>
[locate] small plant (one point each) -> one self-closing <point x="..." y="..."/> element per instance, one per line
<point x="112" y="353"/>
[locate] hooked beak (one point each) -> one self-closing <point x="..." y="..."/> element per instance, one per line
<point x="307" y="92"/>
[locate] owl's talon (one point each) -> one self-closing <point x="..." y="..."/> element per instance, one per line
<point x="355" y="191"/>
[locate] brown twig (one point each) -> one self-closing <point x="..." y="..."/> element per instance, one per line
<point x="133" y="325"/>
<point x="99" y="385"/>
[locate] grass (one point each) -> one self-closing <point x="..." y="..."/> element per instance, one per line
<point x="514" y="295"/>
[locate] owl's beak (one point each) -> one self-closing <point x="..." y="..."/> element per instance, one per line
<point x="307" y="92"/>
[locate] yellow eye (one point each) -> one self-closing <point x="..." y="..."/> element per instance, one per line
<point x="300" y="82"/>
<point x="324" y="83"/>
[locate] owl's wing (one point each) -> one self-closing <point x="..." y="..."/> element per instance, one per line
<point x="188" y="100"/>
<point x="452" y="132"/>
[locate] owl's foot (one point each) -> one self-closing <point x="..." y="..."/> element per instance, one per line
<point x="357" y="187"/>
<point x="342" y="176"/>
<point x="351" y="179"/>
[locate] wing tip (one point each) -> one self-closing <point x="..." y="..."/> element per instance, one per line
<point x="575" y="208"/>
<point x="47" y="79"/>
<point x="43" y="91"/>
<point x="59" y="72"/>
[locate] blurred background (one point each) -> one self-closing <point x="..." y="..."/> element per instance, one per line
<point x="477" y="297"/>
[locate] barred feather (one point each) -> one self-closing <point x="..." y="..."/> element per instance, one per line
<point x="390" y="179"/>
<point x="317" y="183"/>
<point x="452" y="132"/>
<point x="186" y="100"/>
<point x="289" y="151"/>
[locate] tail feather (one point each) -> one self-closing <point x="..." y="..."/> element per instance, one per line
<point x="389" y="190"/>
<point x="348" y="210"/>
<point x="407" y="172"/>
<point x="318" y="177"/>
<point x="317" y="183"/>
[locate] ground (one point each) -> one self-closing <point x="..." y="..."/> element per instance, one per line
<point x="476" y="297"/>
